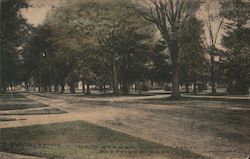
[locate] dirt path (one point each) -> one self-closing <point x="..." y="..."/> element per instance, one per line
<point x="87" y="112"/>
<point x="209" y="130"/>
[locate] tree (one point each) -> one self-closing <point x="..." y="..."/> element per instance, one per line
<point x="89" y="65"/>
<point x="105" y="25"/>
<point x="236" y="40"/>
<point x="214" y="24"/>
<point x="12" y="27"/>
<point x="170" y="17"/>
<point x="124" y="53"/>
<point x="238" y="66"/>
<point x="135" y="58"/>
<point x="193" y="65"/>
<point x="110" y="46"/>
<point x="70" y="47"/>
<point x="39" y="58"/>
<point x="122" y="41"/>
<point x="78" y="23"/>
<point x="159" y="69"/>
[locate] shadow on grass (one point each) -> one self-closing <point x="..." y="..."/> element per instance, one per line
<point x="195" y="98"/>
<point x="7" y="119"/>
<point x="83" y="140"/>
<point x="20" y="106"/>
<point x="107" y="95"/>
<point x="10" y="95"/>
<point x="46" y="111"/>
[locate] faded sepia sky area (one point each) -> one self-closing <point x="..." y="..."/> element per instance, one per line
<point x="37" y="12"/>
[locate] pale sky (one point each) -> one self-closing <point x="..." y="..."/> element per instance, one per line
<point x="37" y="12"/>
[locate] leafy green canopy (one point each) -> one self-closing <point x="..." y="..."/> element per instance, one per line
<point x="70" y="38"/>
<point x="237" y="42"/>
<point x="193" y="65"/>
<point x="13" y="29"/>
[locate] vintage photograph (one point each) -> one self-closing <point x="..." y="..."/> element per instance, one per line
<point x="125" y="79"/>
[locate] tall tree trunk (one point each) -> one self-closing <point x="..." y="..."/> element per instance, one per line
<point x="50" y="88"/>
<point x="26" y="85"/>
<point x="136" y="86"/>
<point x="45" y="88"/>
<point x="230" y="84"/>
<point x="125" y="87"/>
<point x="100" y="88"/>
<point x="1" y="74"/>
<point x="4" y="88"/>
<point x="63" y="88"/>
<point x="72" y="87"/>
<point x="187" y="86"/>
<point x="213" y="76"/>
<point x="115" y="81"/>
<point x="195" y="89"/>
<point x="1" y="90"/>
<point x="83" y="86"/>
<point x="175" y="77"/>
<point x="230" y="79"/>
<point x="195" y="85"/>
<point x="56" y="87"/>
<point x="104" y="87"/>
<point x="88" y="88"/>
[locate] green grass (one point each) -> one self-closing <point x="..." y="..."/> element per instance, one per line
<point x="20" y="106"/>
<point x="11" y="95"/>
<point x="193" y="100"/>
<point x="19" y="102"/>
<point x="81" y="140"/>
<point x="7" y="119"/>
<point x="36" y="112"/>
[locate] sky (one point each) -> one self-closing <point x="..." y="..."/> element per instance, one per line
<point x="37" y="12"/>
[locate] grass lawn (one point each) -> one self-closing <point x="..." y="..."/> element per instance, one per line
<point x="81" y="140"/>
<point x="20" y="106"/>
<point x="6" y="119"/>
<point x="35" y="112"/>
<point x="168" y="100"/>
<point x="11" y="95"/>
